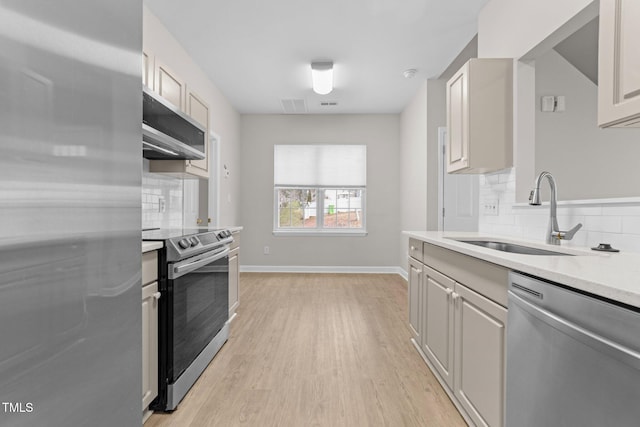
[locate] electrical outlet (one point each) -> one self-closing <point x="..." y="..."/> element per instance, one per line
<point x="490" y="207"/>
<point x="162" y="205"/>
<point x="266" y="250"/>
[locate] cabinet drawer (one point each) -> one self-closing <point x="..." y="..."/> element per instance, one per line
<point x="487" y="279"/>
<point x="149" y="267"/>
<point x="415" y="249"/>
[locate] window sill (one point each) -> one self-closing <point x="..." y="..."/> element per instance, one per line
<point x="316" y="233"/>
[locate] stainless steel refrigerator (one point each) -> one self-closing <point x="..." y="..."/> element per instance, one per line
<point x="70" y="176"/>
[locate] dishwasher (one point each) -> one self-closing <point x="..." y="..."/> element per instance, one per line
<point x="573" y="359"/>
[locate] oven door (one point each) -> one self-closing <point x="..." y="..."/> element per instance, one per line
<point x="200" y="305"/>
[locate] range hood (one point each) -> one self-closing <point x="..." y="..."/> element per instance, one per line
<point x="168" y="133"/>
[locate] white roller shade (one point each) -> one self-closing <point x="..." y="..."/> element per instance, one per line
<point x="320" y="165"/>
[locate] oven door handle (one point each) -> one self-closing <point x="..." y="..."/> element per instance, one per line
<point x="179" y="270"/>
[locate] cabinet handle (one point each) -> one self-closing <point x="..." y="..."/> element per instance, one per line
<point x="157" y="295"/>
<point x="454" y="296"/>
<point x="413" y="248"/>
<point x="448" y="291"/>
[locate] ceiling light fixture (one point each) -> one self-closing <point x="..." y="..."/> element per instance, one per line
<point x="322" y="77"/>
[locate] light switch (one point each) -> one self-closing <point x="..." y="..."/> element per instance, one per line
<point x="548" y="104"/>
<point x="552" y="104"/>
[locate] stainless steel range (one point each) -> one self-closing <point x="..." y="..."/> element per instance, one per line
<point x="193" y="278"/>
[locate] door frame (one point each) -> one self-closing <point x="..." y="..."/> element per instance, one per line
<point x="442" y="169"/>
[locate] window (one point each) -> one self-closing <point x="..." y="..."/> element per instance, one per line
<point x="320" y="189"/>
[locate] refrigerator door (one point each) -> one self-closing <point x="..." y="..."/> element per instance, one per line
<point x="70" y="177"/>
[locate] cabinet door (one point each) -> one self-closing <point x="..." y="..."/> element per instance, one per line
<point x="147" y="69"/>
<point x="150" y="297"/>
<point x="438" y="332"/>
<point x="169" y="85"/>
<point x="619" y="63"/>
<point x="415" y="299"/>
<point x="480" y="330"/>
<point x="234" y="281"/>
<point x="199" y="110"/>
<point x="457" y="121"/>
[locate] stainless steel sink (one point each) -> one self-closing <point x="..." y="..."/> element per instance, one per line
<point x="512" y="248"/>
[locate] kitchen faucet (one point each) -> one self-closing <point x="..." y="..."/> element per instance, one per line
<point x="554" y="235"/>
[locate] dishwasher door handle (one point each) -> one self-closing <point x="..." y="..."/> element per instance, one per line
<point x="593" y="340"/>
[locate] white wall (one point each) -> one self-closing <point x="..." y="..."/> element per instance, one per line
<point x="419" y="124"/>
<point x="380" y="248"/>
<point x="413" y="170"/>
<point x="224" y="119"/>
<point x="586" y="161"/>
<point x="574" y="152"/>
<point x="523" y="29"/>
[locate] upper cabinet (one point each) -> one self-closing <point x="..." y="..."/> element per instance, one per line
<point x="159" y="77"/>
<point x="480" y="117"/>
<point x="147" y="69"/>
<point x="169" y="85"/>
<point x="619" y="64"/>
<point x="198" y="109"/>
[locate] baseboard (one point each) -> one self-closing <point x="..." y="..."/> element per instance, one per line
<point x="321" y="269"/>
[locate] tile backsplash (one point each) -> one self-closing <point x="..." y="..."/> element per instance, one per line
<point x="168" y="201"/>
<point x="615" y="222"/>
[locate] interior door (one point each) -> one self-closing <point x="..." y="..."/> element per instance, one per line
<point x="459" y="195"/>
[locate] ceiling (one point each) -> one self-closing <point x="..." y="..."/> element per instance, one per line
<point x="258" y="52"/>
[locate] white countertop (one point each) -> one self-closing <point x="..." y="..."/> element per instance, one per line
<point x="150" y="246"/>
<point x="611" y="275"/>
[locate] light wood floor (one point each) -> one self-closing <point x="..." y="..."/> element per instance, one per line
<point x="317" y="350"/>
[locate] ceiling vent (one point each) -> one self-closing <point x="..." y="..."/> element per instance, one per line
<point x="294" y="106"/>
<point x="328" y="103"/>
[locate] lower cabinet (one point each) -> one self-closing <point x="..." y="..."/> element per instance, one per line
<point x="234" y="281"/>
<point x="439" y="323"/>
<point x="234" y="275"/>
<point x="479" y="356"/>
<point x="415" y="299"/>
<point x="150" y="297"/>
<point x="462" y="332"/>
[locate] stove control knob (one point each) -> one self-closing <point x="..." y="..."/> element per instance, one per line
<point x="184" y="243"/>
<point x="194" y="241"/>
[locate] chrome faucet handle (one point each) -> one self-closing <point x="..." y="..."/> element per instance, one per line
<point x="534" y="197"/>
<point x="566" y="235"/>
